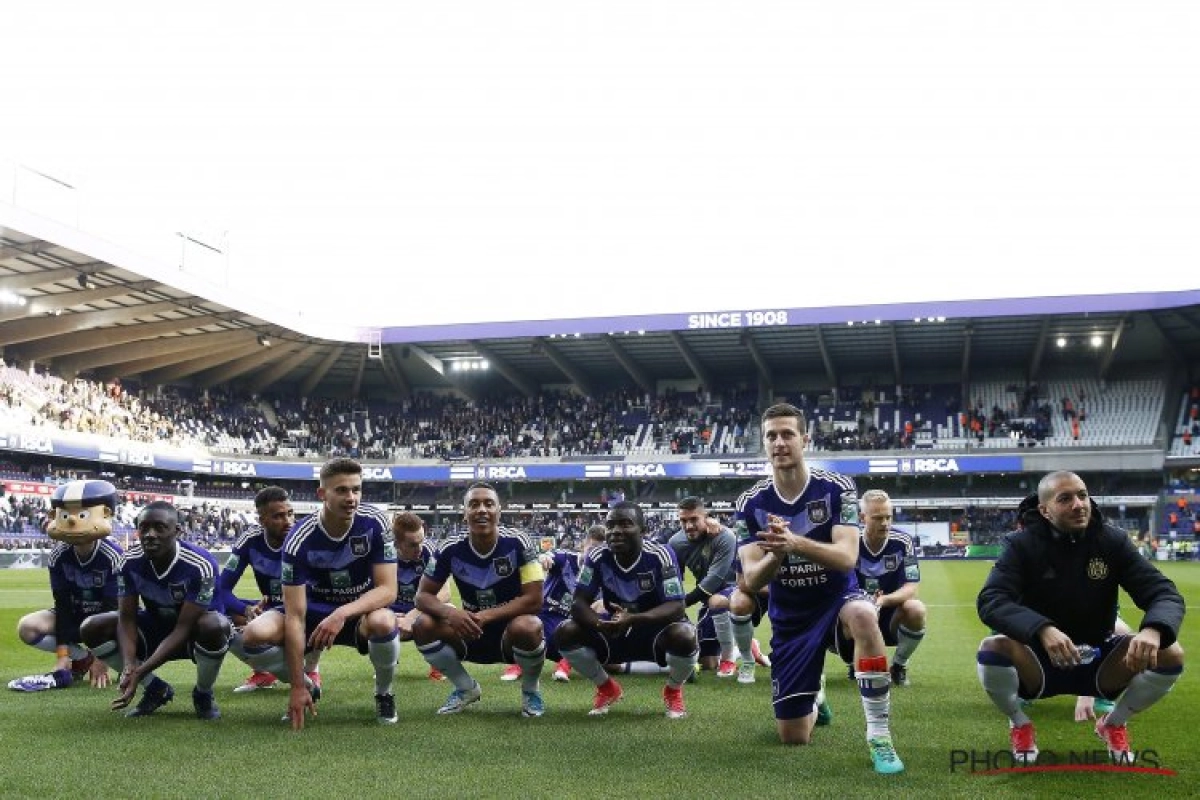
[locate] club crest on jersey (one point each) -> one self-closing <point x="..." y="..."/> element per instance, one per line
<point x="205" y="595"/>
<point x="359" y="545"/>
<point x="503" y="567"/>
<point x="645" y="581"/>
<point x="97" y="579"/>
<point x="1097" y="570"/>
<point x="178" y="592"/>
<point x="891" y="563"/>
<point x="818" y="512"/>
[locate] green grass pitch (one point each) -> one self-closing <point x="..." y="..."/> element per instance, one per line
<point x="67" y="743"/>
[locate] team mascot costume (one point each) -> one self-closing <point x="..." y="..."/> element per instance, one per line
<point x="81" y="514"/>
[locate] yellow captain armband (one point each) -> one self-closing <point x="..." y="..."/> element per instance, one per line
<point x="61" y="651"/>
<point x="532" y="572"/>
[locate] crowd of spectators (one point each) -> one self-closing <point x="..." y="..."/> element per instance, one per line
<point x="163" y="415"/>
<point x="1188" y="429"/>
<point x="1181" y="517"/>
<point x="552" y="424"/>
<point x="216" y="525"/>
<point x="984" y="524"/>
<point x="18" y="515"/>
<point x="1027" y="419"/>
<point x="846" y="421"/>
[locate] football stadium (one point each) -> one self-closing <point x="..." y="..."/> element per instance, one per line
<point x="584" y="287"/>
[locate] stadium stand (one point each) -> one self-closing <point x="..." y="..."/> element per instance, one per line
<point x="1085" y="413"/>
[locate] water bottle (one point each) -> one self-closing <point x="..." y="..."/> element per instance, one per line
<point x="1087" y="653"/>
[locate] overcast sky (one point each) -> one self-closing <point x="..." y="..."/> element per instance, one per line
<point x="423" y="163"/>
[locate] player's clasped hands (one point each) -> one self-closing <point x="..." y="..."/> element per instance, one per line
<point x="616" y="625"/>
<point x="464" y="624"/>
<point x="774" y="539"/>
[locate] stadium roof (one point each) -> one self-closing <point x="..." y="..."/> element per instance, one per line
<point x="84" y="315"/>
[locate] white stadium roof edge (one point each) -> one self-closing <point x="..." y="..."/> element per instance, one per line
<point x="84" y="306"/>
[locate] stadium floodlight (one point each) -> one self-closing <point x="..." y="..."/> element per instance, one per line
<point x="1097" y="340"/>
<point x="1061" y="341"/>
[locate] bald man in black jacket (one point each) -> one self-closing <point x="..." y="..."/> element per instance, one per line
<point x="1054" y="591"/>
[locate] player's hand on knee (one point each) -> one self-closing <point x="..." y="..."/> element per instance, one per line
<point x="1142" y="652"/>
<point x="1059" y="647"/>
<point x="324" y="635"/>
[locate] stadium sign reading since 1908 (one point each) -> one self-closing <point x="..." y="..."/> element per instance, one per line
<point x="737" y="319"/>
